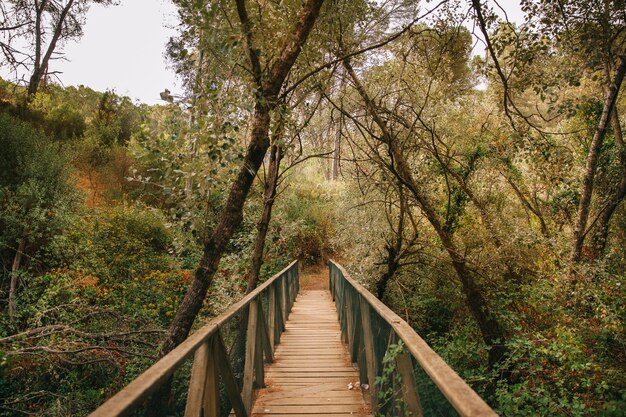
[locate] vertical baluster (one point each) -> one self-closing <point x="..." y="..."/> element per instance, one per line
<point x="283" y="298"/>
<point x="296" y="266"/>
<point x="251" y="336"/>
<point x="259" y="371"/>
<point x="370" y="355"/>
<point x="264" y="335"/>
<point x="195" y="394"/>
<point x="357" y="336"/>
<point x="271" y="305"/>
<point x="226" y="372"/>
<point x="404" y="364"/>
<point x="212" y="388"/>
<point x="347" y="334"/>
<point x="280" y="324"/>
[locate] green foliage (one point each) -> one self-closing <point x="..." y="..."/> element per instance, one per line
<point x="389" y="385"/>
<point x="35" y="192"/>
<point x="305" y="217"/>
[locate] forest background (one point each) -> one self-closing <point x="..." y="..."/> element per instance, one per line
<point x="481" y="198"/>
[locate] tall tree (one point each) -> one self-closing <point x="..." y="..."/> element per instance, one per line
<point x="43" y="25"/>
<point x="267" y="81"/>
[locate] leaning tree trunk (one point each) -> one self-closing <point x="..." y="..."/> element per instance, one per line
<point x="232" y="213"/>
<point x="584" y="205"/>
<point x="269" y="195"/>
<point x="41" y="63"/>
<point x="601" y="234"/>
<point x="252" y="278"/>
<point x="392" y="258"/>
<point x="268" y="87"/>
<point x="491" y="331"/>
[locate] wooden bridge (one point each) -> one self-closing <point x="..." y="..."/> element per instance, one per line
<point x="285" y="352"/>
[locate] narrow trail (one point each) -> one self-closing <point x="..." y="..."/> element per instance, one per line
<point x="311" y="372"/>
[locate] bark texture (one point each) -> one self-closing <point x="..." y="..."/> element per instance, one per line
<point x="269" y="86"/>
<point x="269" y="194"/>
<point x="584" y="205"/>
<point x="601" y="234"/>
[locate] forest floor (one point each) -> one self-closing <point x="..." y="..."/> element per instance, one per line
<point x="314" y="277"/>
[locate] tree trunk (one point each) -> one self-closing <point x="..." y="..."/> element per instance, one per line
<point x="600" y="236"/>
<point x="584" y="206"/>
<point x="492" y="333"/>
<point x="252" y="278"/>
<point x="232" y="213"/>
<point x="269" y="194"/>
<point x="267" y="88"/>
<point x="393" y="250"/>
<point x="17" y="260"/>
<point x="41" y="67"/>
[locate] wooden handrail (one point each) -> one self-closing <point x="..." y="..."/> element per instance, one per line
<point x="358" y="330"/>
<point x="208" y="347"/>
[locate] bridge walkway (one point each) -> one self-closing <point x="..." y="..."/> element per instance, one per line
<point x="312" y="370"/>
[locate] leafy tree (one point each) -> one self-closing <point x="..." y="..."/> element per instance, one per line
<point x="35" y="194"/>
<point x="43" y="25"/>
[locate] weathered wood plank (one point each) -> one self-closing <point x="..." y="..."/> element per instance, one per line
<point x="404" y="364"/>
<point x="368" y="343"/>
<point x="251" y="344"/>
<point x="311" y="371"/>
<point x="195" y="394"/>
<point x="459" y="394"/>
<point x="226" y="372"/>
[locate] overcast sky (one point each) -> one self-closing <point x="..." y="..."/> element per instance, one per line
<point x="123" y="49"/>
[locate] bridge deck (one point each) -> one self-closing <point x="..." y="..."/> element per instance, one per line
<point x="311" y="370"/>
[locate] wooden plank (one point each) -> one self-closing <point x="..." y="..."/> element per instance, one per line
<point x="271" y="318"/>
<point x="283" y="298"/>
<point x="357" y="334"/>
<point x="212" y="388"/>
<point x="404" y="364"/>
<point x="259" y="368"/>
<point x="226" y="372"/>
<point x="195" y="394"/>
<point x="466" y="402"/>
<point x="266" y="344"/>
<point x="251" y="343"/>
<point x="370" y="356"/>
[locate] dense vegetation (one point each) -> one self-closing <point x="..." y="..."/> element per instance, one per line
<point x="480" y="198"/>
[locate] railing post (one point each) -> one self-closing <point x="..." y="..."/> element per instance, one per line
<point x="297" y="279"/>
<point x="195" y="395"/>
<point x="404" y="364"/>
<point x="230" y="383"/>
<point x="259" y="370"/>
<point x="370" y="355"/>
<point x="283" y="298"/>
<point x="357" y="332"/>
<point x="251" y="343"/>
<point x="212" y="387"/>
<point x="266" y="345"/>
<point x="271" y="318"/>
<point x="280" y="324"/>
<point x="349" y="317"/>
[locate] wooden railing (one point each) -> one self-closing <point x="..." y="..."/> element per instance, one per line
<point x="213" y="380"/>
<point x="389" y="353"/>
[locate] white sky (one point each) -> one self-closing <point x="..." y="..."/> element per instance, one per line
<point x="123" y="49"/>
